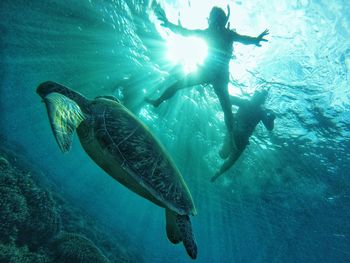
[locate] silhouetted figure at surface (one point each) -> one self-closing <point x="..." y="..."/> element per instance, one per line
<point x="215" y="71"/>
<point x="249" y="114"/>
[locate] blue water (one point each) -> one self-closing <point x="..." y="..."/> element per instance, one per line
<point x="287" y="199"/>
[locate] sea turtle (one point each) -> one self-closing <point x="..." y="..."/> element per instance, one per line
<point x="124" y="147"/>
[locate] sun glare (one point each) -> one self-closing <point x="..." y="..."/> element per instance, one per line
<point x="187" y="51"/>
<point x="190" y="51"/>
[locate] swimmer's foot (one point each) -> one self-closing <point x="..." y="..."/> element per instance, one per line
<point x="213" y="179"/>
<point x="154" y="103"/>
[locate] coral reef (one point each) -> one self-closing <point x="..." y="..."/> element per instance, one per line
<point x="14" y="213"/>
<point x="38" y="225"/>
<point x="10" y="253"/>
<point x="71" y="247"/>
<point x="44" y="220"/>
<point x="28" y="213"/>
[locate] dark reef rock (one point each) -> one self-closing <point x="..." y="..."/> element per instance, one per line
<point x="69" y="247"/>
<point x="3" y="163"/>
<point x="44" y="221"/>
<point x="14" y="213"/>
<point x="12" y="254"/>
<point x="28" y="213"/>
<point x="38" y="225"/>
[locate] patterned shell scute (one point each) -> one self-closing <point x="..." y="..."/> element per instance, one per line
<point x="140" y="155"/>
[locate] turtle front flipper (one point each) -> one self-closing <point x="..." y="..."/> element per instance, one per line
<point x="65" y="116"/>
<point x="185" y="228"/>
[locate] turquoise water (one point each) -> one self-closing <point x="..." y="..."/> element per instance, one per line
<point x="286" y="199"/>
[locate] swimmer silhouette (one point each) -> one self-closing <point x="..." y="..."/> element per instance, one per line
<point x="249" y="114"/>
<point x="215" y="71"/>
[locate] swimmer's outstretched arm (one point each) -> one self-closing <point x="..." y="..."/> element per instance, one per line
<point x="247" y="40"/>
<point x="175" y="28"/>
<point x="181" y="30"/>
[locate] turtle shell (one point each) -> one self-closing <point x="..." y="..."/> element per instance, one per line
<point x="141" y="155"/>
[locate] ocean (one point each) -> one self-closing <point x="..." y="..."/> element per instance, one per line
<point x="287" y="197"/>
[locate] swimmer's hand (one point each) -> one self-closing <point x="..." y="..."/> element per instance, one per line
<point x="160" y="14"/>
<point x="261" y="37"/>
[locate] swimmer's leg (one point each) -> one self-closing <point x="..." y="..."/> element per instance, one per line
<point x="190" y="80"/>
<point x="221" y="91"/>
<point x="226" y="147"/>
<point x="227" y="164"/>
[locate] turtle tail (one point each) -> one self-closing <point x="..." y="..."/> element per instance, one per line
<point x="179" y="228"/>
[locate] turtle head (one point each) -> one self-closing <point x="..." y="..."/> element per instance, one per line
<point x="48" y="87"/>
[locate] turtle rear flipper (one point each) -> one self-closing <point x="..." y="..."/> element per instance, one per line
<point x="65" y="116"/>
<point x="172" y="230"/>
<point x="185" y="228"/>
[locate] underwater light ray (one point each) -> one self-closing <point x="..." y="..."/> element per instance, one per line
<point x="97" y="46"/>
